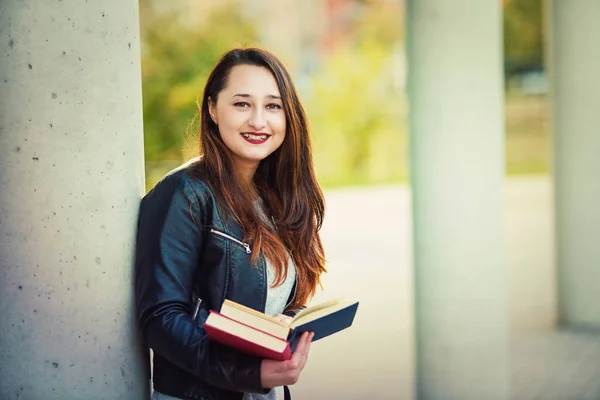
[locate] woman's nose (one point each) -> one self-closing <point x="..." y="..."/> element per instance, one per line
<point x="257" y="119"/>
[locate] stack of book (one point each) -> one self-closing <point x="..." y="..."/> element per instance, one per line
<point x="256" y="333"/>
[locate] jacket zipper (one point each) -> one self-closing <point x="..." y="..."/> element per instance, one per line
<point x="197" y="303"/>
<point x="245" y="245"/>
<point x="266" y="290"/>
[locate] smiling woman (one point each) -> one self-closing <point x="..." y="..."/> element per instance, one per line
<point x="250" y="116"/>
<point x="241" y="223"/>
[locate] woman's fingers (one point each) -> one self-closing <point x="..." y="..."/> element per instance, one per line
<point x="308" y="341"/>
<point x="300" y="356"/>
<point x="277" y="373"/>
<point x="303" y="343"/>
<point x="294" y="366"/>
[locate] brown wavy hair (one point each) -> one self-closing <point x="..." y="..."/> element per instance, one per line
<point x="285" y="180"/>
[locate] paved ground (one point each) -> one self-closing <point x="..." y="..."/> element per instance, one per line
<point x="556" y="366"/>
<point x="372" y="256"/>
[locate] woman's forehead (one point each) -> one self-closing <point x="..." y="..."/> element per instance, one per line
<point x="252" y="80"/>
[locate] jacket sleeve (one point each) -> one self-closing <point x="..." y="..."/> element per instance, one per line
<point x="168" y="250"/>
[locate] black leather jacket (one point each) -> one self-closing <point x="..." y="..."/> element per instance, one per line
<point x="185" y="250"/>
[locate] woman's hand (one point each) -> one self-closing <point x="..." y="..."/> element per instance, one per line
<point x="280" y="373"/>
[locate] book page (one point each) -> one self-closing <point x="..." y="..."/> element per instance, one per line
<point x="254" y="318"/>
<point x="314" y="312"/>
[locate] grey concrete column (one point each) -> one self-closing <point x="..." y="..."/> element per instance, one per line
<point x="574" y="63"/>
<point x="71" y="177"/>
<point x="457" y="168"/>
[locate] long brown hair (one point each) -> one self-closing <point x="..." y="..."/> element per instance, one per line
<point x="285" y="180"/>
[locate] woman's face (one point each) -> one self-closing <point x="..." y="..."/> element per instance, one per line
<point x="249" y="114"/>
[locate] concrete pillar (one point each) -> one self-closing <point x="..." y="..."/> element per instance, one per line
<point x="574" y="63"/>
<point x="457" y="168"/>
<point x="71" y="177"/>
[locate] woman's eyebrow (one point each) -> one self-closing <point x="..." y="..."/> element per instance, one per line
<point x="246" y="96"/>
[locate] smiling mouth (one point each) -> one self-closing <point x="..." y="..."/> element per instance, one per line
<point x="255" y="138"/>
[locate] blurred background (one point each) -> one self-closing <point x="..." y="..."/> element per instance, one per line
<point x="348" y="59"/>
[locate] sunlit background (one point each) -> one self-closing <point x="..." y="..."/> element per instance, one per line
<point x="348" y="60"/>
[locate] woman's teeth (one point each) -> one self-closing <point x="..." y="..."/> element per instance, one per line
<point x="254" y="137"/>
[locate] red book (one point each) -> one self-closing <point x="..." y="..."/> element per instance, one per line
<point x="254" y="332"/>
<point x="246" y="338"/>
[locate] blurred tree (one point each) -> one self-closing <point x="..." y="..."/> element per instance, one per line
<point x="177" y="56"/>
<point x="381" y="22"/>
<point x="354" y="98"/>
<point x="523" y="36"/>
<point x="351" y="112"/>
<point x="357" y="106"/>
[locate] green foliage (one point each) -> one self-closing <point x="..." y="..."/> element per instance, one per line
<point x="357" y="109"/>
<point x="353" y="91"/>
<point x="523" y="35"/>
<point x="354" y="102"/>
<point x="356" y="116"/>
<point x="177" y="58"/>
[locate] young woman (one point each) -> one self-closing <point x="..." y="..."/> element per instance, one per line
<point x="241" y="222"/>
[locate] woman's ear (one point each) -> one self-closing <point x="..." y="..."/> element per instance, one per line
<point x="212" y="111"/>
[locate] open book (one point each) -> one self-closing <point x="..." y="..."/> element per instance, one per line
<point x="254" y="332"/>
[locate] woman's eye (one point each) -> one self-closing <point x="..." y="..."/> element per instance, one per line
<point x="242" y="104"/>
<point x="274" y="106"/>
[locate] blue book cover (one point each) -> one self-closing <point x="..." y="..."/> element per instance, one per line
<point x="324" y="321"/>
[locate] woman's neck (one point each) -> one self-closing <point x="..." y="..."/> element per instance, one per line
<point x="248" y="186"/>
<point x="245" y="178"/>
<point x="244" y="172"/>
